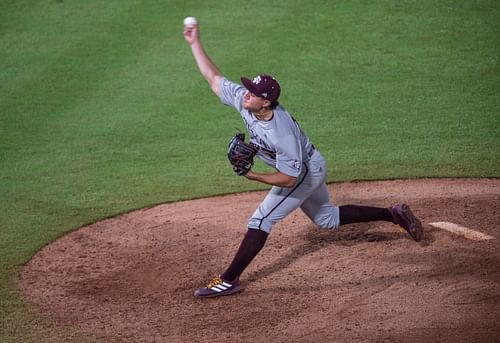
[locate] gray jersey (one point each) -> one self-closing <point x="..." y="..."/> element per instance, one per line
<point x="283" y="144"/>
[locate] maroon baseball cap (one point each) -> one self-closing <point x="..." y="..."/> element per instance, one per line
<point x="265" y="86"/>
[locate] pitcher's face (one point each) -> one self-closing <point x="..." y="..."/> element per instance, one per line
<point x="254" y="102"/>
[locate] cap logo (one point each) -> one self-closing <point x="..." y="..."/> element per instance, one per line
<point x="264" y="95"/>
<point x="257" y="80"/>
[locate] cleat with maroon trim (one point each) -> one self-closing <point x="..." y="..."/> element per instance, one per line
<point x="404" y="217"/>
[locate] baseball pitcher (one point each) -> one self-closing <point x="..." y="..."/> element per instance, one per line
<point x="299" y="176"/>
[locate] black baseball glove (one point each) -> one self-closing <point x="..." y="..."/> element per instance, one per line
<point x="241" y="154"/>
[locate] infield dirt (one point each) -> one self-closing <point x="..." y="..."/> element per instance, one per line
<point x="132" y="277"/>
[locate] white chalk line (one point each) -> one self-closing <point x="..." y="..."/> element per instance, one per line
<point x="461" y="231"/>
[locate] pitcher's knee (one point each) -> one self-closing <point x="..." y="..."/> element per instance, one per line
<point x="330" y="221"/>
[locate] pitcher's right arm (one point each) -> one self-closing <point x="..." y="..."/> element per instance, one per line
<point x="207" y="67"/>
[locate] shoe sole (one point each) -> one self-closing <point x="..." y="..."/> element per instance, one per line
<point x="221" y="294"/>
<point x="418" y="231"/>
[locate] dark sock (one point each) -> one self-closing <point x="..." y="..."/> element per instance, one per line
<point x="252" y="243"/>
<point x="356" y="214"/>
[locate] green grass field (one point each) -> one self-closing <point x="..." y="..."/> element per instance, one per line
<point x="102" y="109"/>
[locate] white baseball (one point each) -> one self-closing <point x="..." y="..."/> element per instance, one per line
<point x="190" y="21"/>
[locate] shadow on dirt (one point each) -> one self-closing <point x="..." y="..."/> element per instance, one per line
<point x="315" y="240"/>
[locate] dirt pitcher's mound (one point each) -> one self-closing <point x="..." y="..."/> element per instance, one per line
<point x="132" y="277"/>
